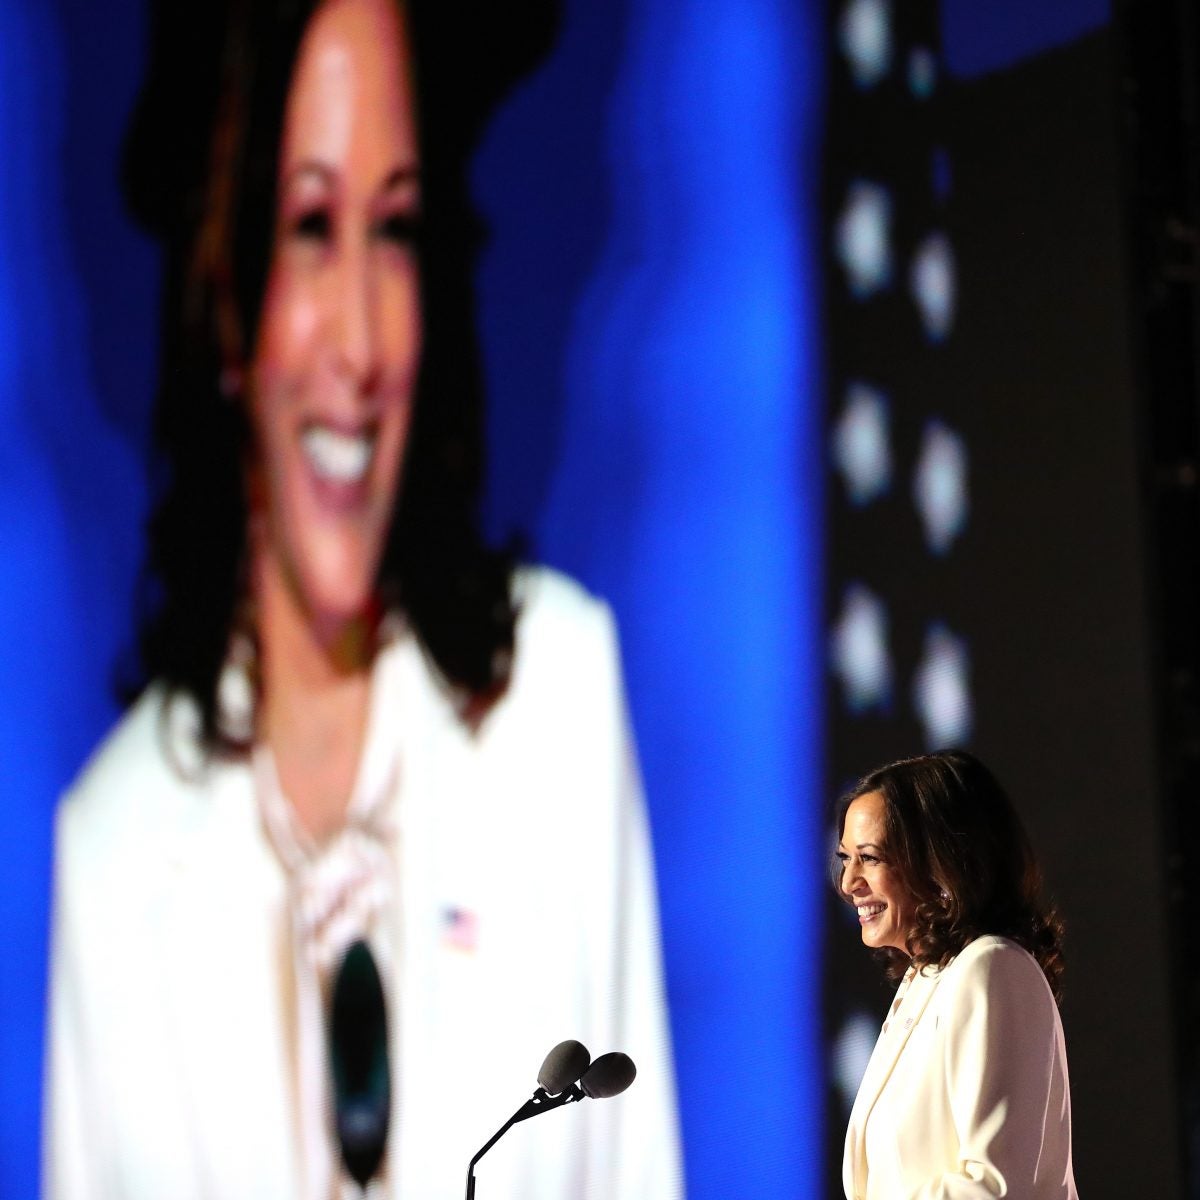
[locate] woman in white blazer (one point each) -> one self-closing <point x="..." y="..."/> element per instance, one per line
<point x="966" y="1094"/>
<point x="361" y="725"/>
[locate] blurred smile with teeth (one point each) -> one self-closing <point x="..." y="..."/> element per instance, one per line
<point x="337" y="456"/>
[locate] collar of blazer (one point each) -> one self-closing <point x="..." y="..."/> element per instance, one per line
<point x="900" y="1025"/>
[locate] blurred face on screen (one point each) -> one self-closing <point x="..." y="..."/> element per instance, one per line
<point x="870" y="881"/>
<point x="333" y="371"/>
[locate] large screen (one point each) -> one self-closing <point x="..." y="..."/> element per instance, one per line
<point x="647" y="308"/>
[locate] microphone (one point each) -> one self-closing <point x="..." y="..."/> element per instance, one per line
<point x="563" y="1066"/>
<point x="567" y="1063"/>
<point x="608" y="1076"/>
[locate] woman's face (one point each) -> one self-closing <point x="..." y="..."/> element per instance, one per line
<point x="886" y="908"/>
<point x="332" y="375"/>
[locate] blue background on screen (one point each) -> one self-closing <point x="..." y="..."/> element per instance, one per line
<point x="684" y="485"/>
<point x="76" y="325"/>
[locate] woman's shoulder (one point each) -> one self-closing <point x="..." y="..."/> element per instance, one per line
<point x="138" y="777"/>
<point x="562" y="629"/>
<point x="995" y="964"/>
<point x="992" y="952"/>
<point x="566" y="669"/>
<point x="552" y="604"/>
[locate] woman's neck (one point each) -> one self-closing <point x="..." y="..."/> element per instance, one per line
<point x="315" y="701"/>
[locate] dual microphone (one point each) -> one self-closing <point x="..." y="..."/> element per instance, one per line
<point x="569" y="1063"/>
<point x="362" y="1083"/>
<point x="567" y="1075"/>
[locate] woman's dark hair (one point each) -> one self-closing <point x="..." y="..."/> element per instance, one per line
<point x="200" y="170"/>
<point x="959" y="847"/>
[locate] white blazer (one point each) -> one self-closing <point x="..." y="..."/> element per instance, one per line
<point x="966" y="1095"/>
<point x="170" y="1074"/>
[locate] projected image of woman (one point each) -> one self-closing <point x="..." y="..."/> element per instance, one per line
<point x="966" y="1092"/>
<point x="362" y="724"/>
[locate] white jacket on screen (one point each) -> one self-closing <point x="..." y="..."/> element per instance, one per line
<point x="966" y="1095"/>
<point x="169" y="1070"/>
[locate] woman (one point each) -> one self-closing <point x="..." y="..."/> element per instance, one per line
<point x="966" y="1092"/>
<point x="362" y="725"/>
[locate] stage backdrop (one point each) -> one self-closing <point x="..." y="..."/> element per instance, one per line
<point x="805" y="337"/>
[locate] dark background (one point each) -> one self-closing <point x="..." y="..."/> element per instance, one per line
<point x="1050" y="584"/>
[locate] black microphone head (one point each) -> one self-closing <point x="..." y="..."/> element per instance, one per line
<point x="564" y="1064"/>
<point x="358" y="1051"/>
<point x="608" y="1076"/>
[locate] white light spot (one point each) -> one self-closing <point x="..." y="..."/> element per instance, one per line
<point x="861" y="444"/>
<point x="940" y="486"/>
<point x="942" y="689"/>
<point x="851" y="1052"/>
<point x="862" y="238"/>
<point x="933" y="285"/>
<point x="859" y="650"/>
<point x="865" y="35"/>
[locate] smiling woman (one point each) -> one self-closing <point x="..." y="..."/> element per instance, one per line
<point x="330" y="389"/>
<point x="966" y="1093"/>
<point x="335" y="361"/>
<point x="366" y="737"/>
<point x="870" y="880"/>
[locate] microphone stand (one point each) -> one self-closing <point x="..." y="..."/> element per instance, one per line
<point x="542" y="1102"/>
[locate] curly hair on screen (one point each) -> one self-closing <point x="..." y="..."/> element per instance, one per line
<point x="961" y="850"/>
<point x="199" y="169"/>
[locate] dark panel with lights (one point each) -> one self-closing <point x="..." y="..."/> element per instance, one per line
<point x="986" y="579"/>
